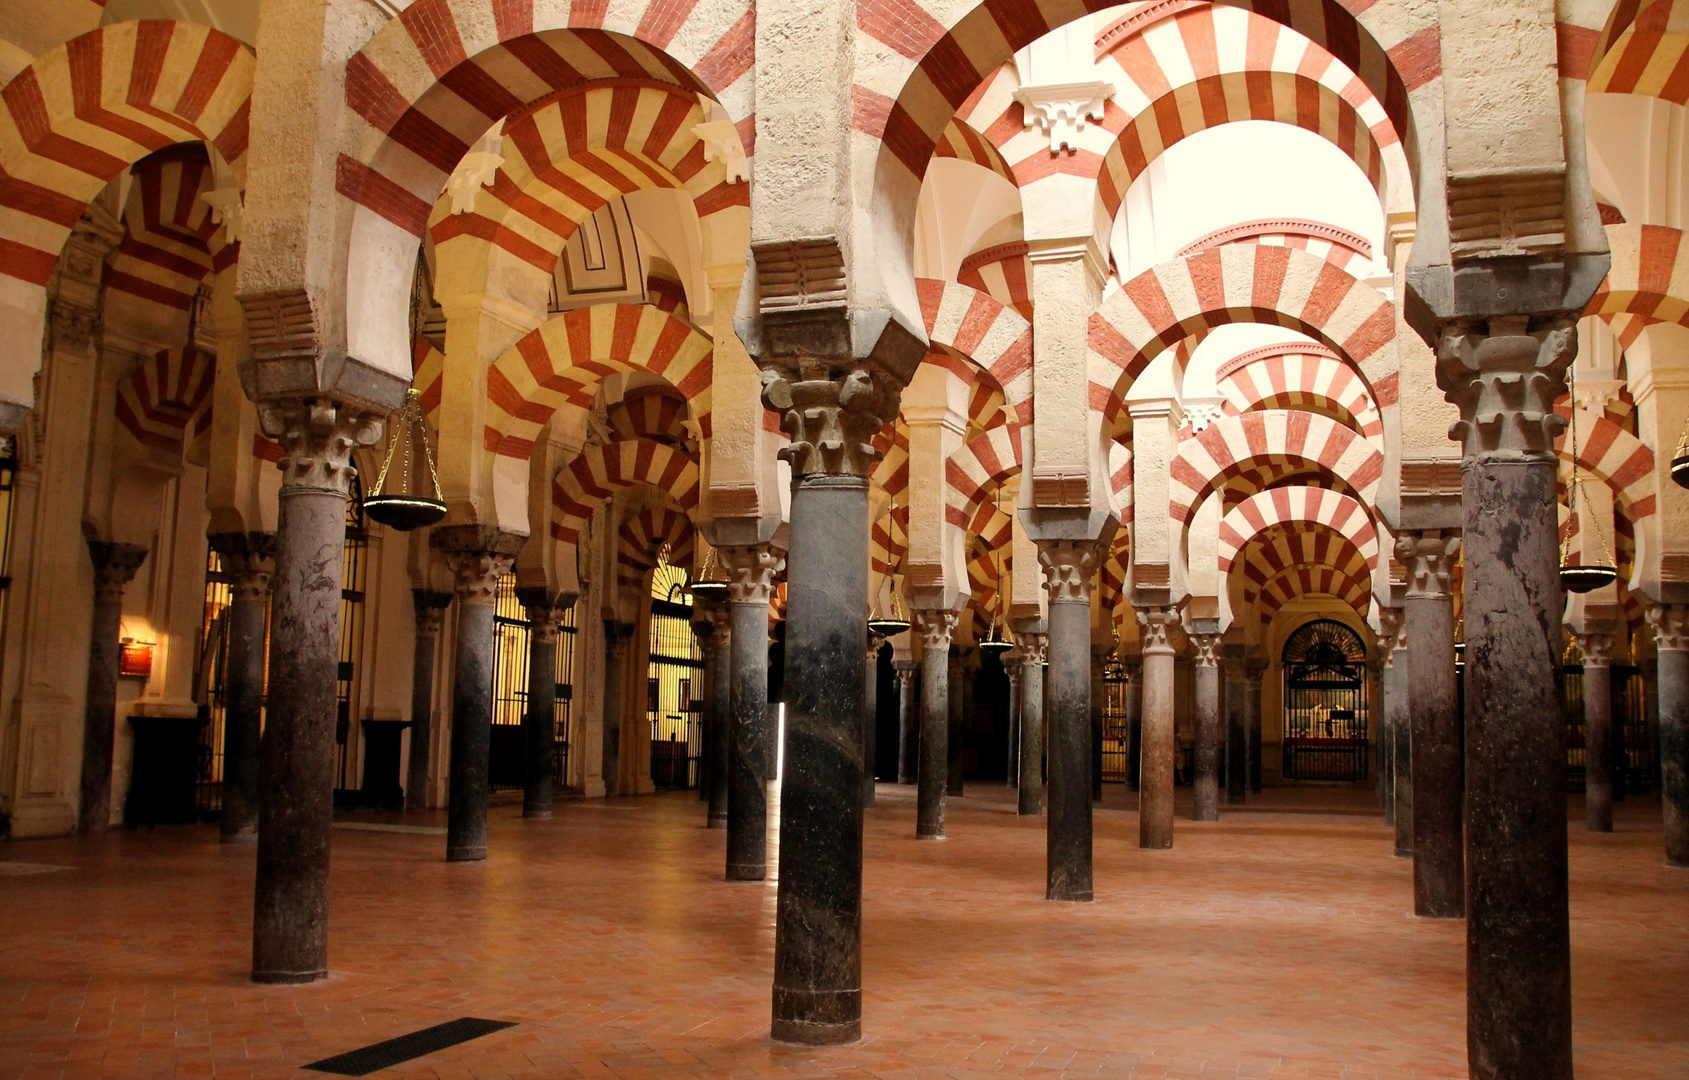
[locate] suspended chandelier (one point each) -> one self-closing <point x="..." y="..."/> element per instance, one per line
<point x="711" y="585"/>
<point x="1580" y="577"/>
<point x="1680" y="460"/>
<point x="996" y="641"/>
<point x="405" y="510"/>
<point x="888" y="625"/>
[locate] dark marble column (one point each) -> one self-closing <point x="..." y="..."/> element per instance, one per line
<point x="616" y="636"/>
<point x="1069" y="567"/>
<point x="1253" y="672"/>
<point x="870" y="714"/>
<point x="1389" y="689"/>
<point x="720" y="615"/>
<point x="1205" y="657"/>
<point x="546" y="612"/>
<point x="1597" y="731"/>
<point x="1401" y="739"/>
<point x="114" y="568"/>
<point x="1671" y="644"/>
<point x="1030" y="800"/>
<point x="956" y="678"/>
<point x="1237" y="738"/>
<point x="430" y="613"/>
<point x="932" y="772"/>
<point x="1134" y="668"/>
<point x="703" y="631"/>
<point x="908" y="722"/>
<point x="478" y="557"/>
<point x="251" y="559"/>
<point x="1439" y="872"/>
<point x="831" y="407"/>
<point x="1159" y="753"/>
<point x="1011" y="767"/>
<point x="751" y="570"/>
<point x="1099" y="703"/>
<point x="1505" y="377"/>
<point x="296" y="780"/>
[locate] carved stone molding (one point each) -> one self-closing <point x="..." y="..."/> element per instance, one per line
<point x="1205" y="650"/>
<point x="751" y="571"/>
<point x="318" y="436"/>
<point x="1597" y="649"/>
<point x="114" y="568"/>
<point x="935" y="625"/>
<point x="1068" y="566"/>
<point x="1671" y="626"/>
<point x="1060" y="110"/>
<point x="721" y="143"/>
<point x="1154" y="625"/>
<point x="796" y="274"/>
<point x="430" y="610"/>
<point x="1033" y="649"/>
<point x="832" y="417"/>
<point x="1505" y="378"/>
<point x="1429" y="558"/>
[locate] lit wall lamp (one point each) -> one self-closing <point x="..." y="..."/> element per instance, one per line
<point x="134" y="658"/>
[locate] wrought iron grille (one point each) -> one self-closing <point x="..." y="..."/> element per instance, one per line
<point x="674" y="683"/>
<point x="355" y="557"/>
<point x="512" y="640"/>
<point x="1633" y="740"/>
<point x="1325" y="704"/>
<point x="1115" y="686"/>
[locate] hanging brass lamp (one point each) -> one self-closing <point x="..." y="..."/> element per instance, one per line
<point x="1582" y="577"/>
<point x="1680" y="460"/>
<point x="996" y="641"/>
<point x="711" y="585"/>
<point x="888" y="625"/>
<point x="405" y="510"/>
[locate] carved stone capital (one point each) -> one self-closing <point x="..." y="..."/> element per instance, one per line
<point x="1671" y="626"/>
<point x="318" y="436"/>
<point x="616" y="636"/>
<point x="1205" y="650"/>
<point x="1068" y="566"/>
<point x="1253" y="671"/>
<point x="1505" y="376"/>
<point x="832" y="414"/>
<point x="251" y="558"/>
<point x="1154" y="626"/>
<point x="1033" y="648"/>
<point x="478" y="556"/>
<point x="1597" y="649"/>
<point x="751" y="571"/>
<point x="546" y="611"/>
<point x="114" y="568"/>
<point x="1429" y="557"/>
<point x="1392" y="632"/>
<point x="430" y="610"/>
<point x="935" y="625"/>
<point x="905" y="672"/>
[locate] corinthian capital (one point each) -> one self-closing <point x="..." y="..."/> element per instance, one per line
<point x="318" y="436"/>
<point x="1505" y="377"/>
<point x="114" y="568"/>
<point x="1391" y="629"/>
<point x="832" y="415"/>
<point x="1154" y="625"/>
<point x="1597" y="649"/>
<point x="546" y="611"/>
<point x="1068" y="566"/>
<point x="1429" y="557"/>
<point x="1205" y="650"/>
<point x="478" y="557"/>
<point x="751" y="571"/>
<point x="1033" y="649"/>
<point x="430" y="611"/>
<point x="1671" y="626"/>
<point x="935" y="626"/>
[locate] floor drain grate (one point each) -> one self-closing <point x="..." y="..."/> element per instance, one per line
<point x="385" y="1055"/>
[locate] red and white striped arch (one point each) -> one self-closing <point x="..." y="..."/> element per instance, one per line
<point x="598" y="472"/>
<point x="990" y="547"/>
<point x="1615" y="456"/>
<point x="961" y="142"/>
<point x="568" y="156"/>
<point x="564" y="360"/>
<point x="1299" y="376"/>
<point x="1235" y="283"/>
<point x="1644" y="49"/>
<point x="974" y="474"/>
<point x="1348" y="250"/>
<point x="993" y="336"/>
<point x="1270" y="443"/>
<point x="1287" y="506"/>
<point x="1002" y="272"/>
<point x="166" y="401"/>
<point x="891" y="471"/>
<point x="170" y="245"/>
<point x="1648" y="282"/>
<point x="1292" y="544"/>
<point x="642" y="537"/>
<point x="1312" y="580"/>
<point x="888" y="541"/>
<point x="649" y="412"/>
<point x="76" y="118"/>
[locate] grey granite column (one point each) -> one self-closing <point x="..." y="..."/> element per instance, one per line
<point x="1030" y="801"/>
<point x="1159" y="753"/>
<point x="1390" y="684"/>
<point x="932" y="772"/>
<point x="1134" y="667"/>
<point x="870" y="714"/>
<point x="1205" y="657"/>
<point x="616" y="636"/>
<point x="1505" y="377"/>
<point x="430" y="613"/>
<point x="296" y="781"/>
<point x="1237" y="737"/>
<point x="1253" y="672"/>
<point x="721" y="709"/>
<point x="955" y="678"/>
<point x="1671" y="643"/>
<point x="478" y="557"/>
<point x="751" y="570"/>
<point x="1439" y="871"/>
<point x="1399" y="702"/>
<point x="1011" y="762"/>
<point x="1099" y="703"/>
<point x="251" y="559"/>
<point x="703" y="632"/>
<point x="1597" y="731"/>
<point x="908" y="722"/>
<point x="1069" y="567"/>
<point x="114" y="567"/>
<point x="546" y="612"/>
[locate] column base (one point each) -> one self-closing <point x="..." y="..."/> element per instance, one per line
<point x="746" y="872"/>
<point x="1074" y="898"/>
<point x="288" y="978"/>
<point x="717" y="821"/>
<point x="243" y="837"/>
<point x="536" y="813"/>
<point x="467" y="854"/>
<point x="929" y="836"/>
<point x="817" y="1018"/>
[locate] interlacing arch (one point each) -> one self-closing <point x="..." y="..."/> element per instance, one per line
<point x="992" y="336"/>
<point x="1334" y="511"/>
<point x="76" y="118"/>
<point x="1299" y="376"/>
<point x="165" y="402"/>
<point x="1613" y="455"/>
<point x="563" y="362"/>
<point x="598" y="472"/>
<point x="1648" y="282"/>
<point x="1274" y="442"/>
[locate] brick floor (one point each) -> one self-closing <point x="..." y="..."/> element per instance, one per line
<point x="1274" y="944"/>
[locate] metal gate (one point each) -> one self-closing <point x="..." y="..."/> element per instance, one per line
<point x="1633" y="740"/>
<point x="1325" y="704"/>
<point x="1115" y="686"/>
<point x="507" y="766"/>
<point x="674" y="684"/>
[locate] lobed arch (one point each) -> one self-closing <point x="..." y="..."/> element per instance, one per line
<point x="428" y="84"/>
<point x="1297" y="375"/>
<point x="72" y="121"/>
<point x="1340" y="514"/>
<point x="1270" y="442"/>
<point x="594" y="475"/>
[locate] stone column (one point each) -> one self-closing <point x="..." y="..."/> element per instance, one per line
<point x="1597" y="731"/>
<point x="1401" y="741"/>
<point x="616" y="636"/>
<point x="250" y="557"/>
<point x="1237" y="736"/>
<point x="1439" y="872"/>
<point x="1159" y="753"/>
<point x="870" y="715"/>
<point x="478" y="557"/>
<point x="933" y="767"/>
<point x="1031" y="753"/>
<point x="1205" y="657"/>
<point x="1134" y="668"/>
<point x="721" y="710"/>
<point x="430" y="613"/>
<point x="1069" y="566"/>
<point x="955" y="676"/>
<point x="1011" y="762"/>
<point x="1253" y="673"/>
<point x="908" y="722"/>
<point x="1671" y="643"/>
<point x="114" y="567"/>
<point x="1099" y="703"/>
<point x="1390" y="683"/>
<point x="750" y="582"/>
<point x="296" y="781"/>
<point x="1505" y="377"/>
<point x="546" y="612"/>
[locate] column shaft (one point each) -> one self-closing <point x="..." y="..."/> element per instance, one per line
<point x="1134" y="719"/>
<point x="1597" y="732"/>
<point x="1031" y="752"/>
<point x="750" y="583"/>
<point x="539" y="723"/>
<point x="1069" y="566"/>
<point x="908" y="722"/>
<point x="430" y="609"/>
<point x="933" y="767"/>
<point x="721" y="706"/>
<point x="114" y="567"/>
<point x="870" y="715"/>
<point x="954" y="737"/>
<point x="610" y="747"/>
<point x="1237" y="740"/>
<point x="1155" y="774"/>
<point x="251" y="559"/>
<point x="1099" y="698"/>
<point x="1439" y="872"/>
<point x="1205" y="803"/>
<point x="1011" y="752"/>
<point x="1399" y="702"/>
<point x="1671" y="640"/>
